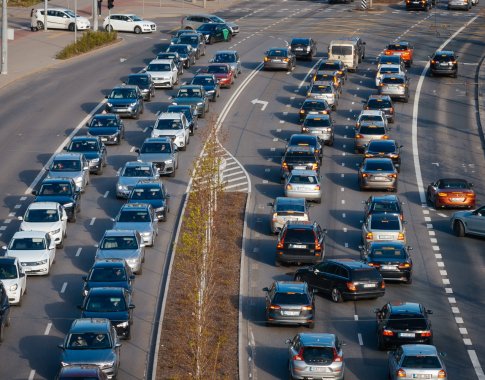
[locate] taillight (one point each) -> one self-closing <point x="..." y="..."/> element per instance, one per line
<point x="314" y="166"/>
<point x="385" y="137"/>
<point x="383" y="285"/>
<point x="392" y="109"/>
<point x="392" y="175"/>
<point x="442" y="194"/>
<point x="376" y="265"/>
<point x="299" y="355"/>
<point x="365" y="175"/>
<point x="302" y="111"/>
<point x="367" y="155"/>
<point x="317" y="187"/>
<point x="400" y="236"/>
<point x="369" y="236"/>
<point x="388" y="52"/>
<point x="401" y="373"/>
<point x="275" y="307"/>
<point x="381" y="84"/>
<point x="433" y="61"/>
<point x="266" y="59"/>
<point x="280" y="244"/>
<point x="336" y="356"/>
<point x="404" y="266"/>
<point x="289" y="187"/>
<point x="284" y="165"/>
<point x="351" y="286"/>
<point x="388" y="333"/>
<point x="307" y="307"/>
<point x="318" y="247"/>
<point x="453" y="62"/>
<point x="358" y="136"/>
<point x="442" y="374"/>
<point x="286" y="59"/>
<point x="426" y="334"/>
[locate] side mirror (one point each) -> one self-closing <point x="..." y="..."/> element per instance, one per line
<point x="106" y="97"/>
<point x="137" y="150"/>
<point x="4" y="247"/>
<point x="429" y="311"/>
<point x="142" y="245"/>
<point x="131" y="307"/>
<point x="288" y="341"/>
<point x="21" y="274"/>
<point x="265" y="289"/>
<point x="86" y="167"/>
<point x="84" y="278"/>
<point x="118" y="345"/>
<point x="65" y="148"/>
<point x="96" y="245"/>
<point x="34" y="192"/>
<point x="21" y="218"/>
<point x="60" y="345"/>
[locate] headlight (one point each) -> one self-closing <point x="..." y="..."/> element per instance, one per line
<point x="122" y="187"/>
<point x="68" y="205"/>
<point x="122" y="324"/>
<point x="200" y="103"/>
<point x="160" y="209"/>
<point x="13" y="288"/>
<point x="146" y="233"/>
<point x="109" y="104"/>
<point x="308" y="48"/>
<point x="106" y="365"/>
<point x="95" y="160"/>
<point x="327" y="129"/>
<point x="41" y="262"/>
<point x="133" y="104"/>
<point x="55" y="232"/>
<point x="64" y="364"/>
<point x="169" y="162"/>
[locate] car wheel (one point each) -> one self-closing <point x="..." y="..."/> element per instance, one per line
<point x="406" y="99"/>
<point x="172" y="174"/>
<point x="61" y="244"/>
<point x="137" y="30"/>
<point x="277" y="263"/>
<point x="73" y="218"/>
<point x="202" y="115"/>
<point x="40" y="25"/>
<point x="311" y="325"/>
<point x="136" y="116"/>
<point x="100" y="170"/>
<point x="459" y="228"/>
<point x="211" y="40"/>
<point x="71" y="27"/>
<point x="409" y="280"/>
<point x="2" y="337"/>
<point x="140" y="271"/>
<point x="380" y="344"/>
<point x="336" y="295"/>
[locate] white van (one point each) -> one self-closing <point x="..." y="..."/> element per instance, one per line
<point x="57" y="18"/>
<point x="347" y="51"/>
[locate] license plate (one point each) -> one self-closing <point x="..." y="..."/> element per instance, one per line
<point x="407" y="335"/>
<point x="318" y="369"/>
<point x="369" y="285"/>
<point x="290" y="313"/>
<point x="298" y="246"/>
<point x="276" y="60"/>
<point x="316" y="132"/>
<point x="299" y="49"/>
<point x="299" y="167"/>
<point x="379" y="179"/>
<point x="385" y="237"/>
<point x="104" y="139"/>
<point x="444" y="64"/>
<point x="388" y="267"/>
<point x="396" y="53"/>
<point x="457" y="199"/>
<point x="421" y="376"/>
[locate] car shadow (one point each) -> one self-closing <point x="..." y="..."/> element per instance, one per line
<point x="29" y="349"/>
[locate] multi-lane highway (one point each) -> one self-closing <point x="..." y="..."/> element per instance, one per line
<point x="39" y="113"/>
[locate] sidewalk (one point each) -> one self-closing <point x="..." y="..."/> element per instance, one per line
<point x="31" y="52"/>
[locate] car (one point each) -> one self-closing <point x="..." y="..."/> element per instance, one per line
<point x="413" y="361"/>
<point x="162" y="152"/>
<point x="190" y="113"/>
<point x="186" y="53"/>
<point x="303" y="47"/>
<point x="424" y="5"/>
<point x="173" y="125"/>
<point x="326" y="91"/>
<point x="175" y="57"/>
<point x="35" y="251"/>
<point x="368" y="131"/>
<point x="92" y="341"/>
<point x="59" y="18"/>
<point x="144" y="82"/>
<point x="70" y="165"/>
<point x="125" y="100"/>
<point x="450" y="193"/>
<point x="444" y="62"/>
<point x="222" y="72"/>
<point x="384" y="148"/>
<point x="139" y="217"/>
<point x="80" y="372"/>
<point x="13" y="278"/>
<point x="93" y="150"/>
<point x="133" y="172"/>
<point x="289" y="303"/>
<point x="376" y="117"/>
<point x="193" y="95"/>
<point x="313" y="107"/>
<point x="210" y="83"/>
<point x="4" y="311"/>
<point x="284" y="209"/>
<point x="314" y="354"/>
<point x="469" y="222"/>
<point x="459" y="4"/>
<point x="128" y="23"/>
<point x="404" y="49"/>
<point x="63" y="191"/>
<point x="111" y="303"/>
<point x="395" y="85"/>
<point x="391" y="60"/>
<point x="328" y="76"/>
<point x="343" y="279"/>
<point x="320" y="126"/>
<point x="46" y="217"/>
<point x="215" y="32"/>
<point x="383" y="227"/>
<point x="193" y="39"/>
<point x="153" y="193"/>
<point x="381" y="103"/>
<point x="300" y="242"/>
<point x="310" y="140"/>
<point x="231" y="57"/>
<point x="383" y="204"/>
<point x="179" y="33"/>
<point x="333" y="66"/>
<point x="279" y="59"/>
<point x="401" y="323"/>
<point x="108" y="126"/>
<point x="164" y="73"/>
<point x="122" y="244"/>
<point x="378" y="173"/>
<point x="299" y="157"/>
<point x="196" y="20"/>
<point x="108" y="273"/>
<point x="303" y="184"/>
<point x="388" y="69"/>
<point x="392" y="260"/>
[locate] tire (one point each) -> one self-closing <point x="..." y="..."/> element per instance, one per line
<point x="73" y="218"/>
<point x="409" y="280"/>
<point x="311" y="325"/>
<point x="318" y="201"/>
<point x="172" y="174"/>
<point x="61" y="244"/>
<point x="211" y="40"/>
<point x="109" y="28"/>
<point x="140" y="271"/>
<point x="137" y="30"/>
<point x="202" y="115"/>
<point x="136" y="116"/>
<point x="71" y="27"/>
<point x="459" y="228"/>
<point x="40" y="25"/>
<point x="336" y="295"/>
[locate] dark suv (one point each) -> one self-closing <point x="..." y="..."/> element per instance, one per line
<point x="109" y="273"/>
<point x="4" y="311"/>
<point x="153" y="193"/>
<point x="381" y="103"/>
<point x="125" y="101"/>
<point x="290" y="302"/>
<point x="384" y="148"/>
<point x="300" y="242"/>
<point x="299" y="157"/>
<point x="144" y="82"/>
<point x="93" y="150"/>
<point x="303" y="48"/>
<point x="444" y="62"/>
<point x="63" y="191"/>
<point x="403" y="323"/>
<point x="300" y="139"/>
<point x="343" y="279"/>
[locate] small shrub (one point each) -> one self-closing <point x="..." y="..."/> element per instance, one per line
<point x="89" y="41"/>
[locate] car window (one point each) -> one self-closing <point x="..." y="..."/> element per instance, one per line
<point x="341" y="50"/>
<point x="65" y="165"/>
<point x="104" y="303"/>
<point x="137" y="171"/>
<point x="41" y="216"/>
<point x="304" y="179"/>
<point x="134" y="216"/>
<point x="55" y="189"/>
<point x="381" y="146"/>
<point x="372" y="130"/>
<point x="158" y="67"/>
<point x="103" y="122"/>
<point x="385" y="207"/>
<point x="392" y="80"/>
<point x="291" y="298"/>
<point x="342" y="272"/>
<point x="363" y="118"/>
<point x="407" y="322"/>
<point x="89" y="341"/>
<point x="388" y="252"/>
<point x="156" y="148"/>
<point x="385" y="224"/>
<point x="318" y="355"/>
<point x="379" y="166"/>
<point x="277" y="53"/>
<point x="107" y="274"/>
<point x="444" y="58"/>
<point x="8" y="271"/>
<point x="119" y="242"/>
<point x="298" y="235"/>
<point x="365" y="274"/>
<point x="421" y="361"/>
<point x="171" y="123"/>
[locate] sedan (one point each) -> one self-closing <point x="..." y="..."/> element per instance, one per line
<point x="303" y="184"/>
<point x="416" y="361"/>
<point x="312" y="141"/>
<point x="381" y="103"/>
<point x="324" y="90"/>
<point x="139" y="217"/>
<point x="396" y="86"/>
<point x="285" y="209"/>
<point x="132" y="173"/>
<point x="383" y="227"/>
<point x="279" y="58"/>
<point x="469" y="222"/>
<point x="108" y="126"/>
<point x="451" y="192"/>
<point x="62" y="191"/>
<point x="230" y="57"/>
<point x="378" y="173"/>
<point x="93" y="150"/>
<point x="384" y="148"/>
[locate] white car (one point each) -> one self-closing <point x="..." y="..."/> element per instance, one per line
<point x="388" y="69"/>
<point x="174" y="125"/>
<point x="13" y="278"/>
<point x="128" y="23"/>
<point x="164" y="72"/>
<point x="48" y="217"/>
<point x="59" y="18"/>
<point x="35" y="250"/>
<point x="377" y="117"/>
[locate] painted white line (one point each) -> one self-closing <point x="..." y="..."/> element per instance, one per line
<point x="442" y="215"/>
<point x="476" y="364"/>
<point x="23" y="198"/>
<point x="78" y="252"/>
<point x="459" y="320"/>
<point x="32" y="374"/>
<point x="105" y="195"/>
<point x="455" y="310"/>
<point x="443" y="272"/>
<point x="449" y="290"/>
<point x="224" y="176"/>
<point x="427" y="219"/>
<point x="467" y="341"/>
<point x="438" y="256"/>
<point x="346" y="245"/>
<point x="463" y="331"/>
<point x="429" y="225"/>
<point x="359" y="336"/>
<point x="282" y="122"/>
<point x="64" y="286"/>
<point x="342" y="201"/>
<point x="48" y="328"/>
<point x="132" y="149"/>
<point x="17" y="206"/>
<point x="3" y="228"/>
<point x="343" y="215"/>
<point x="356" y="317"/>
<point x="345" y="229"/>
<point x="451" y="299"/>
<point x="308" y="74"/>
<point x="265" y="181"/>
<point x="7" y="221"/>
<point x="92" y="221"/>
<point x="342" y="189"/>
<point x="11" y="214"/>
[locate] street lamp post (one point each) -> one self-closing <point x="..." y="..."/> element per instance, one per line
<point x="75" y="21"/>
<point x="45" y="15"/>
<point x="4" y="37"/>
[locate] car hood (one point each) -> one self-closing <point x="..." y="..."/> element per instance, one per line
<point x="132" y="181"/>
<point x="209" y="87"/>
<point x="231" y="24"/>
<point x="154" y="157"/>
<point x="140" y="227"/>
<point x="187" y="100"/>
<point x="28" y="255"/>
<point x="160" y="73"/>
<point x="7" y="283"/>
<point x="88" y="356"/>
<point x="107" y="284"/>
<point x="40" y="226"/>
<point x="120" y="102"/>
<point x="64" y="174"/>
<point x="155" y="203"/>
<point x="117" y="254"/>
<point x="118" y="316"/>
<point x="103" y="131"/>
<point x="62" y="199"/>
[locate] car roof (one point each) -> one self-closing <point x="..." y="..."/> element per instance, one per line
<point x="124" y="14"/>
<point x="106" y="116"/>
<point x="68" y="156"/>
<point x="385" y="198"/>
<point x="419" y="349"/>
<point x="290" y="286"/>
<point x="77" y="138"/>
<point x="57" y="180"/>
<point x="453" y="179"/>
<point x="350" y="263"/>
<point x="197" y="86"/>
<point x="447" y="52"/>
<point x="317" y="339"/>
<point x="168" y="61"/>
<point x="43" y="206"/>
<point x="170" y="115"/>
<point x="303" y="172"/>
<point x="29" y="234"/>
<point x="375" y="96"/>
<point x="304" y="137"/>
<point x="135" y="206"/>
<point x="119" y="232"/>
<point x="90" y="325"/>
<point x="406" y="307"/>
<point x="8" y="259"/>
<point x="107" y="290"/>
<point x="162" y="139"/>
<point x="381" y="141"/>
<point x="300" y="224"/>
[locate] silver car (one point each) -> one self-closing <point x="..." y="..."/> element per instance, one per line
<point x="132" y="173"/>
<point x="416" y="361"/>
<point x="378" y="173"/>
<point x="367" y="131"/>
<point x="140" y="217"/>
<point x="123" y="244"/>
<point x="383" y="227"/>
<point x="194" y="21"/>
<point x="395" y="85"/>
<point x="70" y="165"/>
<point x="284" y="209"/>
<point x="162" y="152"/>
<point x="303" y="184"/>
<point x="231" y="57"/>
<point x="320" y="126"/>
<point x="324" y="90"/>
<point x="469" y="222"/>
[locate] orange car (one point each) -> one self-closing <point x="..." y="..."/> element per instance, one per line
<point x="451" y="192"/>
<point x="404" y="49"/>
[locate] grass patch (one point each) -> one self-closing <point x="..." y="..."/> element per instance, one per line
<point x="89" y="41"/>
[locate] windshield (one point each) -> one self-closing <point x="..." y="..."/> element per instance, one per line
<point x="329" y="66"/>
<point x="381" y="146"/>
<point x="65" y="166"/>
<point x="379" y="166"/>
<point x="453" y="184"/>
<point x="186" y="110"/>
<point x="203" y="81"/>
<point x="372" y="130"/>
<point x="103" y="122"/>
<point x="317" y="122"/>
<point x="321" y="89"/>
<point x="379" y="104"/>
<point x="189" y="39"/>
<point x="370" y="118"/>
<point x="422" y="362"/>
<point x="389" y="252"/>
<point x="389" y="70"/>
<point x="88" y="341"/>
<point x="217" y="69"/>
<point x="181" y="49"/>
<point x="314" y="105"/>
<point x="136" y="18"/>
<point x="189" y="93"/>
<point x="291" y="299"/>
<point x="123" y="93"/>
<point x="107" y="275"/>
<point x="304" y="179"/>
<point x="105" y="304"/>
<point x="147" y="193"/>
<point x="385" y="207"/>
<point x="84" y="146"/>
<point x="280" y="207"/>
<point x="158" y="67"/>
<point x="27" y="244"/>
<point x="119" y="242"/>
<point x="156" y="148"/>
<point x="397" y="47"/>
<point x="277" y="53"/>
<point x="137" y="171"/>
<point x="8" y="271"/>
<point x="134" y="217"/>
<point x="341" y="50"/>
<point x="444" y="58"/>
<point x="41" y="216"/>
<point x="138" y="80"/>
<point x="224" y="58"/>
<point x="169" y="124"/>
<point x="55" y="189"/>
<point x="392" y="80"/>
<point x="385" y="224"/>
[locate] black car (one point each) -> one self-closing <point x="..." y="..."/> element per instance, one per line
<point x="125" y="100"/>
<point x="403" y="323"/>
<point x="289" y="303"/>
<point x="300" y="242"/>
<point x="93" y="150"/>
<point x="299" y="157"/>
<point x="300" y="139"/>
<point x="383" y="204"/>
<point x="424" y="5"/>
<point x="153" y="193"/>
<point x="4" y="311"/>
<point x="190" y="114"/>
<point x="186" y="53"/>
<point x="444" y="62"/>
<point x="279" y="59"/>
<point x="193" y="39"/>
<point x="113" y="304"/>
<point x="333" y="66"/>
<point x="343" y="279"/>
<point x="313" y="106"/>
<point x="110" y="273"/>
<point x="392" y="260"/>
<point x="303" y="48"/>
<point x="381" y="103"/>
<point x="384" y="148"/>
<point x="215" y="32"/>
<point x="175" y="57"/>
<point x="63" y="191"/>
<point x="108" y="126"/>
<point x="210" y="84"/>
<point x="144" y="82"/>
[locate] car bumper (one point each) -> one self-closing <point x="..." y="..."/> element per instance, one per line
<point x="322" y="136"/>
<point x="393" y="94"/>
<point x="121" y="330"/>
<point x="396" y="341"/>
<point x="95" y="166"/>
<point x="36" y="270"/>
<point x="443" y="70"/>
<point x="448" y="202"/>
<point x="110" y="140"/>
<point x="276" y="65"/>
<point x="123" y="193"/>
<point x="162" y="83"/>
<point x="14" y="295"/>
<point x="363" y="295"/>
<point x="417" y="5"/>
<point x="122" y="111"/>
<point x="397" y="275"/>
<point x="288" y="320"/>
<point x="308" y="195"/>
<point x="306" y="374"/>
<point x="458" y="6"/>
<point x="367" y="184"/>
<point x="286" y="258"/>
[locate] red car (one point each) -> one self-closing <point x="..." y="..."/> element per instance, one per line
<point x="404" y="49"/>
<point x="222" y="72"/>
<point x="451" y="192"/>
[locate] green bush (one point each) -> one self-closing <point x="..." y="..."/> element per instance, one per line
<point x="89" y="41"/>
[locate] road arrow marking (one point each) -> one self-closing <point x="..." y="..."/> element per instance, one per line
<point x="257" y="101"/>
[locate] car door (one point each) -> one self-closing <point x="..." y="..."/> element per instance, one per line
<point x="64" y="20"/>
<point x="22" y="277"/>
<point x="63" y="215"/>
<point x="476" y="221"/>
<point x="126" y="24"/>
<point x="52" y="19"/>
<point x="381" y="318"/>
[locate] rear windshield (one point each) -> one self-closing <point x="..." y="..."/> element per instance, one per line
<point x="407" y="322"/>
<point x="381" y="146"/>
<point x="296" y="235"/>
<point x="392" y="80"/>
<point x="329" y="66"/>
<point x="341" y="50"/>
<point x="379" y="103"/>
<point x="169" y="124"/>
<point x="418" y="361"/>
<point x="300" y="157"/>
<point x="304" y="179"/>
<point x="277" y="53"/>
<point x="364" y="274"/>
<point x="370" y="118"/>
<point x="454" y="184"/>
<point x="280" y="207"/>
<point x="379" y="166"/>
<point x="372" y="130"/>
<point x="390" y="59"/>
<point x="389" y="70"/>
<point x="321" y="89"/>
<point x="385" y="207"/>
<point x="300" y="41"/>
<point x="385" y="224"/>
<point x="388" y="252"/>
<point x="314" y="105"/>
<point x="134" y="217"/>
<point x="444" y="58"/>
<point x="317" y="122"/>
<point x="291" y="299"/>
<point x="316" y="354"/>
<point x="397" y="47"/>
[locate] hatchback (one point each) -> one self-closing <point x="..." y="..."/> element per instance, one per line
<point x="381" y="103"/>
<point x="70" y="165"/>
<point x="279" y="58"/>
<point x="164" y="73"/>
<point x="316" y="355"/>
<point x="128" y="23"/>
<point x="386" y="149"/>
<point x="383" y="227"/>
<point x="303" y="184"/>
<point x="416" y="361"/>
<point x="125" y="100"/>
<point x="395" y="85"/>
<point x="108" y="126"/>
<point x="139" y="217"/>
<point x="14" y="279"/>
<point x="451" y="192"/>
<point x="59" y="18"/>
<point x="387" y="69"/>
<point x="378" y="173"/>
<point x="366" y="132"/>
<point x="132" y="173"/>
<point x="376" y="117"/>
<point x="93" y="149"/>
<point x="153" y="193"/>
<point x="109" y="273"/>
<point x="383" y="203"/>
<point x="284" y="209"/>
<point x="303" y="47"/>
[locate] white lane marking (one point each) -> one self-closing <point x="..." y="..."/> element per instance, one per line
<point x="7" y="221"/>
<point x="356" y="317"/>
<point x="92" y="221"/>
<point x="132" y="149"/>
<point x="106" y="194"/>
<point x="463" y="331"/>
<point x="11" y="214"/>
<point x="345" y="229"/>
<point x="281" y="122"/>
<point x="64" y="286"/>
<point x="78" y="252"/>
<point x="455" y="310"/>
<point x="3" y="228"/>
<point x="451" y="299"/>
<point x="442" y="215"/>
<point x="467" y="341"/>
<point x="359" y="336"/>
<point x="303" y="81"/>
<point x="263" y="103"/>
<point x="459" y="320"/>
<point x="265" y="181"/>
<point x="449" y="290"/>
<point x="32" y="374"/>
<point x="23" y="198"/>
<point x="476" y="364"/>
<point x="48" y="328"/>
